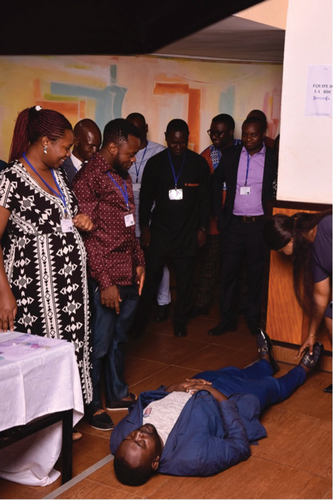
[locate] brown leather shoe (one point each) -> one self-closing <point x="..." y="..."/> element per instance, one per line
<point x="76" y="435"/>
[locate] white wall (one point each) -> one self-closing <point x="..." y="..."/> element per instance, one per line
<point x="305" y="164"/>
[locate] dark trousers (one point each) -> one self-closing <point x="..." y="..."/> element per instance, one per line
<point x="210" y="257"/>
<point x="109" y="339"/>
<point x="241" y="239"/>
<point x="256" y="379"/>
<point x="184" y="271"/>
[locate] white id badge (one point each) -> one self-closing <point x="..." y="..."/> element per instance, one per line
<point x="175" y="194"/>
<point x="66" y="225"/>
<point x="129" y="220"/>
<point x="136" y="186"/>
<point x="245" y="190"/>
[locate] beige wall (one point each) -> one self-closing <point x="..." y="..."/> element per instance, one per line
<point x="271" y="12"/>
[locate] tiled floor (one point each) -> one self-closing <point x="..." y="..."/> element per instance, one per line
<point x="294" y="461"/>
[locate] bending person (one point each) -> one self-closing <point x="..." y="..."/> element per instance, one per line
<point x="308" y="238"/>
<point x="204" y="425"/>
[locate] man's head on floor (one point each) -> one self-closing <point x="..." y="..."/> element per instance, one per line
<point x="138" y="456"/>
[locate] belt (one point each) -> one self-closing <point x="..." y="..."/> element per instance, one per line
<point x="249" y="218"/>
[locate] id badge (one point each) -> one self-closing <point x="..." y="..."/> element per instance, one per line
<point x="175" y="194"/>
<point x="67" y="225"/>
<point x="129" y="220"/>
<point x="136" y="186"/>
<point x="245" y="190"/>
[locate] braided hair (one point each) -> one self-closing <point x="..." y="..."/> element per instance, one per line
<point x="278" y="232"/>
<point x="33" y="123"/>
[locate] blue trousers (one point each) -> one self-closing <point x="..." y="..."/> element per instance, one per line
<point x="109" y="339"/>
<point x="256" y="379"/>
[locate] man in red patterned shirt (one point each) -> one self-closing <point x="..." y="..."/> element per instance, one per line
<point x="115" y="261"/>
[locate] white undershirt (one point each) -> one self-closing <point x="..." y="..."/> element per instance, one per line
<point x="163" y="414"/>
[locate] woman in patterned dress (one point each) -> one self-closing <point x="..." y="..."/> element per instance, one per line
<point x="43" y="280"/>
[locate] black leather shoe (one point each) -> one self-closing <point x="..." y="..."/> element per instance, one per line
<point x="162" y="313"/>
<point x="311" y="360"/>
<point x="180" y="331"/>
<point x="264" y="345"/>
<point x="221" y="328"/>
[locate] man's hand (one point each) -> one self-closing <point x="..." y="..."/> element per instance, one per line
<point x="83" y="222"/>
<point x="140" y="277"/>
<point x="188" y="385"/>
<point x="202" y="238"/>
<point x="110" y="297"/>
<point x="145" y="237"/>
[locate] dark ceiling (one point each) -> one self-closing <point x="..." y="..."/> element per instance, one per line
<point x="106" y="27"/>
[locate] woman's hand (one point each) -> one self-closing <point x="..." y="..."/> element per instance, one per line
<point x="8" y="310"/>
<point x="83" y="222"/>
<point x="308" y="342"/>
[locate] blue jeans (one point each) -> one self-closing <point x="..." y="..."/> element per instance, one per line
<point x="256" y="379"/>
<point x="109" y="339"/>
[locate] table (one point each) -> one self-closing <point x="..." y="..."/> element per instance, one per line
<point x="38" y="377"/>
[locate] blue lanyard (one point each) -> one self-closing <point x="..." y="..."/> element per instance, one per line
<point x="137" y="170"/>
<point x="58" y="195"/>
<point x="215" y="156"/>
<point x="123" y="191"/>
<point x="173" y="170"/>
<point x="247" y="168"/>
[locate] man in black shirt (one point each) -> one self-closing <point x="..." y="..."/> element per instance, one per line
<point x="176" y="183"/>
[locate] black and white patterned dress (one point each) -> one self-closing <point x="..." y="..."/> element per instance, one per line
<point x="46" y="268"/>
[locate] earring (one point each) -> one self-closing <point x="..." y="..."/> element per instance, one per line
<point x="45" y="149"/>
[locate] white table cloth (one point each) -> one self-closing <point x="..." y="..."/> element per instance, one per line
<point x="38" y="376"/>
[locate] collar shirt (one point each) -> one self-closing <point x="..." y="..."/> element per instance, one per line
<point x="76" y="162"/>
<point x="113" y="250"/>
<point x="136" y="172"/>
<point x="250" y="174"/>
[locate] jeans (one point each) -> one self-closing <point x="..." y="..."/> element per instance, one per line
<point x="109" y="339"/>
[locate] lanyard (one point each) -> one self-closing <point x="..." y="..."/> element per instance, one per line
<point x="123" y="191"/>
<point x="215" y="156"/>
<point x="173" y="170"/>
<point x="137" y="170"/>
<point x="247" y="168"/>
<point x="58" y="195"/>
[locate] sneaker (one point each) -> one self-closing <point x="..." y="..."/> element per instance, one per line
<point x="101" y="421"/>
<point x="121" y="405"/>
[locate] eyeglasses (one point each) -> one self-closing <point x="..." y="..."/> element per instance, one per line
<point x="217" y="133"/>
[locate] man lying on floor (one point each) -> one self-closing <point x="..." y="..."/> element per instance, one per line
<point x="206" y="424"/>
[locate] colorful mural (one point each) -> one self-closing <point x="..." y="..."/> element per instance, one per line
<point x="107" y="87"/>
